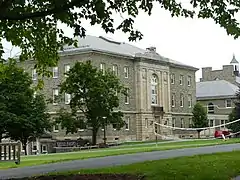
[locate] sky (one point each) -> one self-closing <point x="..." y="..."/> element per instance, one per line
<point x="196" y="42"/>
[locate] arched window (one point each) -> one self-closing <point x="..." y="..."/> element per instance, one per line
<point x="210" y="108"/>
<point x="154" y="89"/>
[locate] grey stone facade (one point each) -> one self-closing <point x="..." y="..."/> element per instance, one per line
<point x="142" y="66"/>
<point x="216" y="91"/>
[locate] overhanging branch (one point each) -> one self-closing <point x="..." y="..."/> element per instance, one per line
<point x="25" y="15"/>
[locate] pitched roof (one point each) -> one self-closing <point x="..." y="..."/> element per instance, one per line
<point x="108" y="45"/>
<point x="234" y="60"/>
<point x="217" y="88"/>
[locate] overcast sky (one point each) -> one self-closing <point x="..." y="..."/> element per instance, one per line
<point x="196" y="42"/>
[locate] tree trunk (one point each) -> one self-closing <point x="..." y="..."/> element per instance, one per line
<point x="25" y="148"/>
<point x="198" y="134"/>
<point x="94" y="136"/>
<point x="104" y="135"/>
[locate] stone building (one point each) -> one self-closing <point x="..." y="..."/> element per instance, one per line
<point x="217" y="92"/>
<point x="160" y="89"/>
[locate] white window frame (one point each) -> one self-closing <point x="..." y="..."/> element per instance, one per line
<point x="103" y="67"/>
<point x="189" y="81"/>
<point x="67" y="97"/>
<point x="172" y="78"/>
<point x="213" y="121"/>
<point x="154" y="87"/>
<point x="146" y="122"/>
<point x="44" y="151"/>
<point x="173" y="100"/>
<point x="34" y="74"/>
<point x="189" y="100"/>
<point x="173" y="122"/>
<point x="226" y="103"/>
<point x="54" y="128"/>
<point x="55" y="94"/>
<point x="182" y="122"/>
<point x="181" y="100"/>
<point x="55" y="72"/>
<point x="126" y="71"/>
<point x="66" y="68"/>
<point x="181" y="80"/>
<point x="127" y="123"/>
<point x="80" y="130"/>
<point x="126" y="98"/>
<point x="190" y="122"/>
<point x="113" y="127"/>
<point x="115" y="69"/>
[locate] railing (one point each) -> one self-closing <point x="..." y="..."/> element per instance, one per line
<point x="10" y="152"/>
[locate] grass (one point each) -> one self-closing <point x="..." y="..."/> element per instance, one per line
<point x="59" y="157"/>
<point x="218" y="166"/>
<point x="142" y="142"/>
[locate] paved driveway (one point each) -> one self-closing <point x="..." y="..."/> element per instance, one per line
<point x="112" y="161"/>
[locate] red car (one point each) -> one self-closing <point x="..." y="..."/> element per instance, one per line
<point x="218" y="133"/>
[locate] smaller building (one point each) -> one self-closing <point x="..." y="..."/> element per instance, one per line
<point x="217" y="92"/>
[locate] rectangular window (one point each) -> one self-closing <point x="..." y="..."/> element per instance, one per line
<point x="114" y="126"/>
<point x="181" y="80"/>
<point x="181" y="100"/>
<point x="228" y="103"/>
<point x="154" y="94"/>
<point x="55" y="96"/>
<point x="182" y="123"/>
<point x="67" y="98"/>
<point x="190" y="123"/>
<point x="103" y="67"/>
<point x="127" y="122"/>
<point x="115" y="70"/>
<point x="126" y="99"/>
<point x="44" y="148"/>
<point x="189" y="101"/>
<point x="211" y="123"/>
<point x="66" y="69"/>
<point x="173" y="122"/>
<point x="173" y="100"/>
<point x="146" y="122"/>
<point x="34" y="74"/>
<point x="82" y="125"/>
<point x="55" y="72"/>
<point x="172" y="77"/>
<point x="189" y="80"/>
<point x="222" y="121"/>
<point x="126" y="72"/>
<point x="56" y="128"/>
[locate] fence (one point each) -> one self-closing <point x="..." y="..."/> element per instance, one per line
<point x="10" y="152"/>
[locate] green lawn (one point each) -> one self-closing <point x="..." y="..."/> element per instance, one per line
<point x="142" y="142"/>
<point x="51" y="158"/>
<point x="219" y="166"/>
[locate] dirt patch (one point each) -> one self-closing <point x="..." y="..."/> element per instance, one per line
<point x="88" y="177"/>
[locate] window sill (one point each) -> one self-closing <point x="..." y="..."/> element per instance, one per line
<point x="55" y="131"/>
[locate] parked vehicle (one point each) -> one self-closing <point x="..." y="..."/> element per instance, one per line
<point x="218" y="133"/>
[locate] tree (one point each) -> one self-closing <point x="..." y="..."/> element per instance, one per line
<point x="22" y="116"/>
<point x="31" y="125"/>
<point x="32" y="25"/>
<point x="235" y="114"/>
<point x="199" y="117"/>
<point x="94" y="99"/>
<point x="13" y="93"/>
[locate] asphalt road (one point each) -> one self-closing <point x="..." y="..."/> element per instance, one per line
<point x="112" y="161"/>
